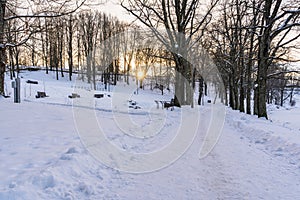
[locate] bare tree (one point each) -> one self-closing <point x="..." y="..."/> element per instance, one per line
<point x="184" y="24"/>
<point x="277" y="23"/>
<point x="229" y="46"/>
<point x="55" y="8"/>
<point x="129" y="42"/>
<point x="247" y="39"/>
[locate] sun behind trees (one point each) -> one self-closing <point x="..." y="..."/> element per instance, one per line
<point x="245" y="38"/>
<point x="179" y="25"/>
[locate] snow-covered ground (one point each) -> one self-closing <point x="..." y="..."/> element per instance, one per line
<point x="45" y="152"/>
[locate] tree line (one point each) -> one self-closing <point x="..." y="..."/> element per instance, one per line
<point x="249" y="42"/>
<point x="18" y="23"/>
<point x="64" y="42"/>
<point x="88" y="42"/>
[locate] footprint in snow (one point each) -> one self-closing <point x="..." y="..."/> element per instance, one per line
<point x="68" y="154"/>
<point x="66" y="157"/>
<point x="72" y="150"/>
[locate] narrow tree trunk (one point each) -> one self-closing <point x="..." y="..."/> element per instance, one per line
<point x="255" y="100"/>
<point x="33" y="54"/>
<point x="12" y="63"/>
<point x="281" y="97"/>
<point x="249" y="80"/>
<point x="116" y="71"/>
<point x="226" y="95"/>
<point x="236" y="96"/>
<point x="88" y="64"/>
<point x="70" y="47"/>
<point x="61" y="54"/>
<point x="231" y="93"/>
<point x="242" y="89"/>
<point x="291" y="95"/>
<point x="200" y="90"/>
<point x="17" y="54"/>
<point x="94" y="69"/>
<point x="46" y="47"/>
<point x="2" y="48"/>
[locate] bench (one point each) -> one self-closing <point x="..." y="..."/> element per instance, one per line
<point x="169" y="104"/>
<point x="133" y="104"/>
<point x="165" y="104"/>
<point x="98" y="96"/>
<point x="32" y="82"/>
<point x="135" y="107"/>
<point x="41" y="95"/>
<point x="74" y="95"/>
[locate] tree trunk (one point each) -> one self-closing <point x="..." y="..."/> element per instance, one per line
<point x="262" y="79"/>
<point x="263" y="60"/>
<point x="281" y="97"/>
<point x="70" y="48"/>
<point x="255" y="100"/>
<point x="88" y="64"/>
<point x="61" y="54"/>
<point x="178" y="97"/>
<point x="33" y="55"/>
<point x="183" y="89"/>
<point x="116" y="71"/>
<point x="231" y="93"/>
<point x="2" y="47"/>
<point x="47" y="53"/>
<point x="248" y="76"/>
<point x="291" y="95"/>
<point x="200" y="90"/>
<point x="226" y="94"/>
<point x="12" y="64"/>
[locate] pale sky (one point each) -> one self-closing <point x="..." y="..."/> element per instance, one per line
<point x="114" y="8"/>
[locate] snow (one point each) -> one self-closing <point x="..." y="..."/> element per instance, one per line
<point x="45" y="152"/>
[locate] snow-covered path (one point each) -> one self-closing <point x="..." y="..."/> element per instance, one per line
<point x="43" y="157"/>
<point x="235" y="169"/>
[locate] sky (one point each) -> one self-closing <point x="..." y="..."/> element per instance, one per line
<point x="114" y="8"/>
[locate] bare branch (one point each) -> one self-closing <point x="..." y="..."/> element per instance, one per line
<point x="282" y="72"/>
<point x="50" y="14"/>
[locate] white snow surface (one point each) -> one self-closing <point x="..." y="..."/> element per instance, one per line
<point x="43" y="157"/>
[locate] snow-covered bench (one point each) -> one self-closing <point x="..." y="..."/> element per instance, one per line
<point x="165" y="104"/>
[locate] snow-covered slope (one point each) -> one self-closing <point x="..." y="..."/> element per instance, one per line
<point x="42" y="155"/>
